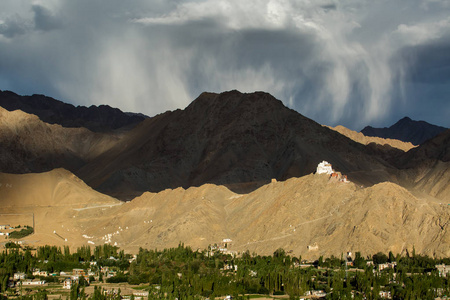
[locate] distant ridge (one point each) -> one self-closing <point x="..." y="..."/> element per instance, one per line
<point x="406" y="130"/>
<point x="95" y="118"/>
<point x="366" y="140"/>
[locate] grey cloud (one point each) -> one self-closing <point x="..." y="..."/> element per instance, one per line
<point x="44" y="19"/>
<point x="348" y="62"/>
<point x="14" y="26"/>
<point x="429" y="63"/>
<point x="330" y="6"/>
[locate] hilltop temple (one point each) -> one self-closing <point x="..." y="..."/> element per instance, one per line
<point x="325" y="168"/>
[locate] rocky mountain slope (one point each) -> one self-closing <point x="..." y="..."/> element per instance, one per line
<point x="235" y="139"/>
<point x="31" y="145"/>
<point x="406" y="130"/>
<point x="427" y="167"/>
<point x="239" y="142"/>
<point x="95" y="118"/>
<point x="315" y="210"/>
<point x="366" y="140"/>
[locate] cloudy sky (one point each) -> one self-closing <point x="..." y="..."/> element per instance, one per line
<point x="349" y="62"/>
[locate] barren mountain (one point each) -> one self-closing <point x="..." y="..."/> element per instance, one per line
<point x="234" y="139"/>
<point x="30" y="145"/>
<point x="406" y="130"/>
<point x="366" y="140"/>
<point x="53" y="199"/>
<point x="315" y="210"/>
<point x="240" y="140"/>
<point x="426" y="169"/>
<point x="95" y="118"/>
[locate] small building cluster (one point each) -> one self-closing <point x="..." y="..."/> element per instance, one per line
<point x="222" y="247"/>
<point x="326" y="168"/>
<point x="5" y="227"/>
<point x="313" y="247"/>
<point x="443" y="270"/>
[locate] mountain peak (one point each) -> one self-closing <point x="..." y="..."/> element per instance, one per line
<point x="100" y="118"/>
<point x="406" y="130"/>
<point x="405" y="119"/>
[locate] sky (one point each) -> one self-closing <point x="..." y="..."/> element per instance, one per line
<point x="349" y="62"/>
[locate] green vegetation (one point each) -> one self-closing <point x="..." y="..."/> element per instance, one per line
<point x="18" y="234"/>
<point x="186" y="274"/>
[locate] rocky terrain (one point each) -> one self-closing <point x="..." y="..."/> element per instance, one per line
<point x="406" y="130"/>
<point x="95" y="118"/>
<point x="204" y="174"/>
<point x="366" y="140"/>
<point x="31" y="145"/>
<point x="313" y="215"/>
<point x="234" y="139"/>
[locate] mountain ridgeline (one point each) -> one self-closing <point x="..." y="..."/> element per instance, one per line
<point x="95" y="118"/>
<point x="234" y="139"/>
<point x="406" y="130"/>
<point x="396" y="200"/>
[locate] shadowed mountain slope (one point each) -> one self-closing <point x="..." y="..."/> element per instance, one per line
<point x="406" y="130"/>
<point x="230" y="138"/>
<point x="427" y="167"/>
<point x="28" y="144"/>
<point x="95" y="118"/>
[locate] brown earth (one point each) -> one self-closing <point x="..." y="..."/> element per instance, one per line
<point x="238" y="142"/>
<point x="311" y="210"/>
<point x="366" y="140"/>
<point x="232" y="139"/>
<point x="30" y="145"/>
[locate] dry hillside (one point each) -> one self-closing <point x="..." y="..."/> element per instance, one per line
<point x="313" y="210"/>
<point x="366" y="140"/>
<point x="226" y="139"/>
<point x="30" y="145"/>
<point x="54" y="198"/>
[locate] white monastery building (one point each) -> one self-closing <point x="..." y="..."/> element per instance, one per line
<point x="324" y="168"/>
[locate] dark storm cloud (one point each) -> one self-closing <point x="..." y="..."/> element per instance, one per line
<point x="13" y="26"/>
<point x="330" y="6"/>
<point x="430" y="63"/>
<point x="348" y="62"/>
<point x="44" y="19"/>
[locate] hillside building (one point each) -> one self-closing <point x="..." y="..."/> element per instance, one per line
<point x="19" y="276"/>
<point x="32" y="282"/>
<point x="443" y="270"/>
<point x="38" y="272"/>
<point x="67" y="284"/>
<point x="324" y="168"/>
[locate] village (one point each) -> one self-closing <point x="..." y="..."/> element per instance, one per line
<point x="121" y="275"/>
<point x="169" y="273"/>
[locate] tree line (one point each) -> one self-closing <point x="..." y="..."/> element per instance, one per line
<point x="183" y="273"/>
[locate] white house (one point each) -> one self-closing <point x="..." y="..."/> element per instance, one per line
<point x="67" y="284"/>
<point x="33" y="282"/>
<point x="443" y="270"/>
<point x="38" y="272"/>
<point x="324" y="168"/>
<point x="19" y="276"/>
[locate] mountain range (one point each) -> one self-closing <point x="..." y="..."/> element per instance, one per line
<point x="95" y="118"/>
<point x="406" y="130"/>
<point x="210" y="171"/>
